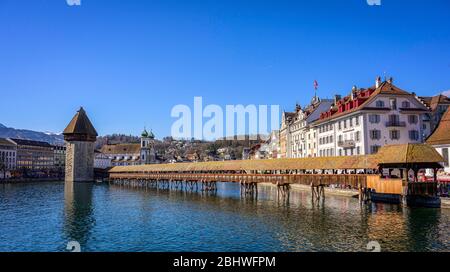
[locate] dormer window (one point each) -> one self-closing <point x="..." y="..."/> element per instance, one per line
<point x="405" y="104"/>
<point x="379" y="104"/>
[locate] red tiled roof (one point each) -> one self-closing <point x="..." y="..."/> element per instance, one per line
<point x="362" y="99"/>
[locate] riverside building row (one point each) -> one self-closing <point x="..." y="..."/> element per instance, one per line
<point x="20" y="157"/>
<point x="359" y="123"/>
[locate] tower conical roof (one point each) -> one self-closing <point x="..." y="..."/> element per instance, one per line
<point x="80" y="128"/>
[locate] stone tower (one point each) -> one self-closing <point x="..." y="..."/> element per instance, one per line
<point x="80" y="136"/>
<point x="147" y="147"/>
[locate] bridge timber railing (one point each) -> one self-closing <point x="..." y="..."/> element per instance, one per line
<point x="350" y="180"/>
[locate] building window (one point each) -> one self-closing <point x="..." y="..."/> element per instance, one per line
<point x="357" y="121"/>
<point x="445" y="156"/>
<point x="414" y="135"/>
<point x="358" y="150"/>
<point x="395" y="134"/>
<point x="345" y="124"/>
<point x="393" y="103"/>
<point x="405" y="104"/>
<point x="394" y="119"/>
<point x="374" y="118"/>
<point x="375" y="134"/>
<point x="412" y="119"/>
<point x="339" y="125"/>
<point x="357" y="136"/>
<point x="379" y="104"/>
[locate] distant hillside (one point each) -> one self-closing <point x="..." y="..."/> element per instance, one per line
<point x="116" y="139"/>
<point x="48" y="137"/>
<point x="168" y="148"/>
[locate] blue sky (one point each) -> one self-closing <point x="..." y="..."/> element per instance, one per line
<point x="129" y="62"/>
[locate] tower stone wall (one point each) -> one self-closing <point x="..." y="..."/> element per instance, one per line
<point x="79" y="161"/>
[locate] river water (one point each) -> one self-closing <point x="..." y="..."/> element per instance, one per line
<point x="46" y="216"/>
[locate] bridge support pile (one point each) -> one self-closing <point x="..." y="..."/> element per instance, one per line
<point x="283" y="190"/>
<point x="249" y="189"/>
<point x="317" y="192"/>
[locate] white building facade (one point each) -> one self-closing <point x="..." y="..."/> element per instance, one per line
<point x="300" y="138"/>
<point x="102" y="161"/>
<point x="8" y="158"/>
<point x="367" y="119"/>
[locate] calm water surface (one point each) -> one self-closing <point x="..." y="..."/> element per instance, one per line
<point x="45" y="216"/>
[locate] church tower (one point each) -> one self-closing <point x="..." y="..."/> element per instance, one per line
<point x="80" y="136"/>
<point x="147" y="147"/>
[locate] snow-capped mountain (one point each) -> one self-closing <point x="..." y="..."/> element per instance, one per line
<point x="50" y="137"/>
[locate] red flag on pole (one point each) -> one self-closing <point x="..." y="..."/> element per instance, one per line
<point x="316" y="85"/>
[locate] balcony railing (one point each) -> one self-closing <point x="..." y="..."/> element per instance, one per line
<point x="346" y="144"/>
<point x="395" y="124"/>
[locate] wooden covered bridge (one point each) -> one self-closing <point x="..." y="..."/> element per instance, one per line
<point x="357" y="172"/>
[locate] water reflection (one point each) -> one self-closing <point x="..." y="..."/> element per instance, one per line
<point x="423" y="232"/>
<point x="336" y="224"/>
<point x="44" y="217"/>
<point x="78" y="211"/>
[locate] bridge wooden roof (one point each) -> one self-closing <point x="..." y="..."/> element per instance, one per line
<point x="350" y="162"/>
<point x="389" y="154"/>
<point x="408" y="154"/>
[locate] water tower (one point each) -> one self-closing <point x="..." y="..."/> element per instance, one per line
<point x="80" y="136"/>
